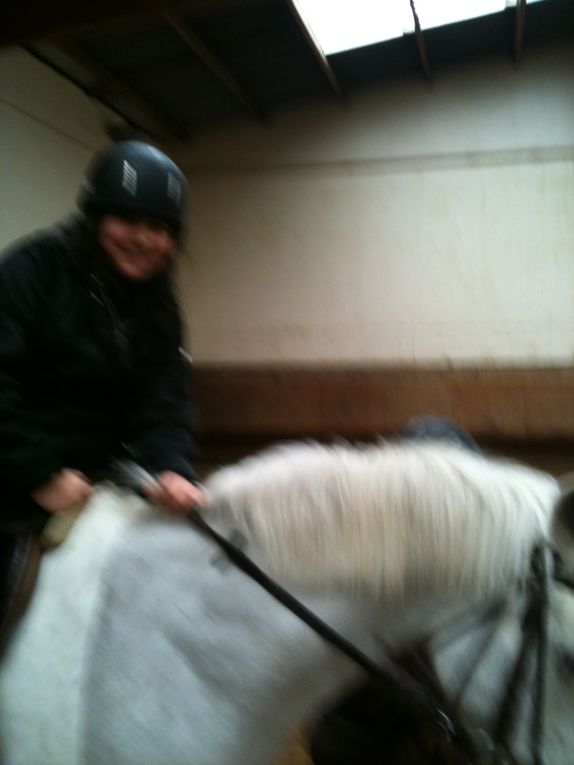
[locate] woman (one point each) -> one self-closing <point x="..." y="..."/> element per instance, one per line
<point x="90" y="335"/>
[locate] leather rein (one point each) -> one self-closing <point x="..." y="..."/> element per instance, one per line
<point x="428" y="696"/>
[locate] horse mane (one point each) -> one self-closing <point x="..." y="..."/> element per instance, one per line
<point x="401" y="517"/>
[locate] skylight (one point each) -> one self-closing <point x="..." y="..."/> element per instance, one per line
<point x="340" y="25"/>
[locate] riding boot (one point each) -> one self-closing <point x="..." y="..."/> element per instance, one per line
<point x="7" y="550"/>
<point x="21" y="521"/>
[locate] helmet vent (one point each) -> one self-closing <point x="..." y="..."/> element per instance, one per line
<point x="174" y="188"/>
<point x="129" y="178"/>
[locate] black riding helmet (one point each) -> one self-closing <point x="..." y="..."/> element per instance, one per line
<point x="132" y="177"/>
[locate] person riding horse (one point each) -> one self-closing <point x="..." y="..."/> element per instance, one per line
<point x="90" y="336"/>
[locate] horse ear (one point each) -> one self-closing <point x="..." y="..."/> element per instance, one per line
<point x="563" y="523"/>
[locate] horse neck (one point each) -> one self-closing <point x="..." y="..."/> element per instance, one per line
<point x="396" y="519"/>
<point x="354" y="614"/>
<point x="284" y="671"/>
<point x="370" y="621"/>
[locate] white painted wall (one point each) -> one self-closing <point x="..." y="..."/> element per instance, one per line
<point x="408" y="224"/>
<point x="48" y="131"/>
<point x="411" y="224"/>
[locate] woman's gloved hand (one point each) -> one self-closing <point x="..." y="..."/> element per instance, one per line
<point x="175" y="493"/>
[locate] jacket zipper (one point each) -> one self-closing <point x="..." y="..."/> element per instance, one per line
<point x="102" y="299"/>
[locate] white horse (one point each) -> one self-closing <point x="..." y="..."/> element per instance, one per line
<point x="143" y="645"/>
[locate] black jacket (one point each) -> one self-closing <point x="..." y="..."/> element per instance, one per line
<point x="90" y="368"/>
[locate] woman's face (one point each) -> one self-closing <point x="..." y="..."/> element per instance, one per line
<point x="138" y="247"/>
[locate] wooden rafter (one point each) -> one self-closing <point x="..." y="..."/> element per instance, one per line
<point x="316" y="48"/>
<point x="24" y="22"/>
<point x="422" y="48"/>
<point x="215" y="66"/>
<point x="106" y="82"/>
<point x="519" y="30"/>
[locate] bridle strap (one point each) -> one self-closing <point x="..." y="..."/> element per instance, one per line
<point x="491" y="620"/>
<point x="542" y="595"/>
<point x="388" y="673"/>
<point x="535" y="638"/>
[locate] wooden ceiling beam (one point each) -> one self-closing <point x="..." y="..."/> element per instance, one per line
<point x="421" y="45"/>
<point x="215" y="66"/>
<point x="519" y="30"/>
<point x="106" y="82"/>
<point x="22" y="23"/>
<point x="316" y="48"/>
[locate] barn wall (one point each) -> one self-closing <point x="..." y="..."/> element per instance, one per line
<point x="497" y="403"/>
<point x="351" y="265"/>
<point x="526" y="413"/>
<point x="413" y="224"/>
<point x="48" y="130"/>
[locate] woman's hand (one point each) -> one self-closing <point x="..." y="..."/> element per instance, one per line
<point x="175" y="493"/>
<point x="65" y="490"/>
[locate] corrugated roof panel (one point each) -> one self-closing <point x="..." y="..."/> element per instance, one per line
<point x="267" y="52"/>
